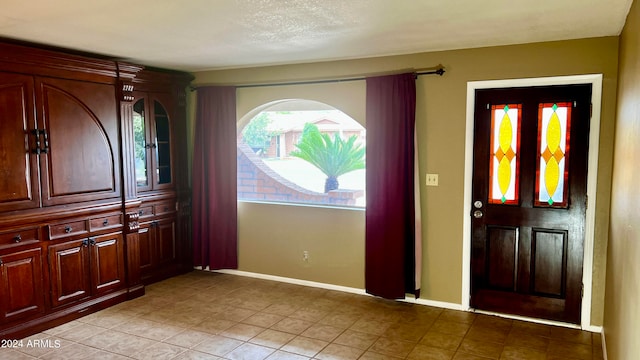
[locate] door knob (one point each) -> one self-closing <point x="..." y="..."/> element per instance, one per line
<point x="477" y="214"/>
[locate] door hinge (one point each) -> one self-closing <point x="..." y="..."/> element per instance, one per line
<point x="582" y="291"/>
<point x="488" y="106"/>
<point x="591" y="111"/>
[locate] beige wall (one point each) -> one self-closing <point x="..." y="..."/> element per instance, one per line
<point x="440" y="118"/>
<point x="622" y="313"/>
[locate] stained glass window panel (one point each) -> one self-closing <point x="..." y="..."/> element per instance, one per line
<point x="554" y="122"/>
<point x="505" y="161"/>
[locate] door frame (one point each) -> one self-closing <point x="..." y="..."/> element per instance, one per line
<point x="592" y="179"/>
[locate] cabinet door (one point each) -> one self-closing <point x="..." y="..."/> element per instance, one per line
<point x="21" y="287"/>
<point x="142" y="142"/>
<point x="107" y="262"/>
<point x="153" y="141"/>
<point x="83" y="158"/>
<point x="162" y="139"/>
<point x="18" y="165"/>
<point x="166" y="241"/>
<point x="146" y="239"/>
<point x="69" y="272"/>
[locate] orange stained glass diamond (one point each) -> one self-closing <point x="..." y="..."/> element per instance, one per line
<point x="509" y="154"/>
<point x="558" y="155"/>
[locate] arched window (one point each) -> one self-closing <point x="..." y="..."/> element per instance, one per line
<point x="301" y="151"/>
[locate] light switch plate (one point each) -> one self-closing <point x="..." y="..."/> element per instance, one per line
<point x="432" y="179"/>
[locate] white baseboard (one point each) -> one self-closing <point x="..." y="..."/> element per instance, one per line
<point x="439" y="304"/>
<point x="590" y="328"/>
<point x="294" y="281"/>
<point x="434" y="303"/>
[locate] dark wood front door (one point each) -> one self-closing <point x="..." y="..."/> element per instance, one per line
<point x="529" y="200"/>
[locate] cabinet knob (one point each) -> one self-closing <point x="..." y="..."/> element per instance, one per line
<point x="92" y="241"/>
<point x="67" y="229"/>
<point x="1" y="262"/>
<point x="166" y="208"/>
<point x="85" y="242"/>
<point x="17" y="238"/>
<point x="141" y="212"/>
<point x="105" y="222"/>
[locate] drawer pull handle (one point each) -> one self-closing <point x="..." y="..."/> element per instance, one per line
<point x="67" y="229"/>
<point x="17" y="238"/>
<point x="105" y="222"/>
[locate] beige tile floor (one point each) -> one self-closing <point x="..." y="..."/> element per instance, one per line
<point x="204" y="315"/>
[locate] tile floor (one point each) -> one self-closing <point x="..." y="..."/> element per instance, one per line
<point x="205" y="315"/>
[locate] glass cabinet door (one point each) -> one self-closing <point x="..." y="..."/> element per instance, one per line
<point x="162" y="144"/>
<point x="140" y="145"/>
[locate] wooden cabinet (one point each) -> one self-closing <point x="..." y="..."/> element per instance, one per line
<point x="159" y="147"/>
<point x="152" y="117"/>
<point x="69" y="272"/>
<point x="88" y="145"/>
<point x="21" y="274"/>
<point x="85" y="262"/>
<point x="46" y="123"/>
<point x="158" y="247"/>
<point x="19" y="163"/>
<point x="85" y="267"/>
<point x="21" y="283"/>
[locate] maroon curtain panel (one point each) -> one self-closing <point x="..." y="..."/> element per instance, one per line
<point x="215" y="215"/>
<point x="390" y="232"/>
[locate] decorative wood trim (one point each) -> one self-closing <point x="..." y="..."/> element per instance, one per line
<point x="36" y="61"/>
<point x="126" y="92"/>
<point x="160" y="80"/>
<point x="36" y="325"/>
<point x="127" y="71"/>
<point x="131" y="223"/>
<point x="38" y="216"/>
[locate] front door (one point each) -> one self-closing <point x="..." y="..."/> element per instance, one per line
<point x="529" y="200"/>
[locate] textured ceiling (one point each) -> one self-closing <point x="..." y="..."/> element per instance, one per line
<point x="213" y="34"/>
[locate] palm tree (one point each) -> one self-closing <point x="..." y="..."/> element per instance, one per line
<point x="333" y="157"/>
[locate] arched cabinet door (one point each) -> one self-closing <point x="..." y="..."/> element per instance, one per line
<point x="153" y="137"/>
<point x="81" y="143"/>
<point x="142" y="143"/>
<point x="162" y="150"/>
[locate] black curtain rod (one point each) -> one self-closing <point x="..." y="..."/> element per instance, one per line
<point x="439" y="71"/>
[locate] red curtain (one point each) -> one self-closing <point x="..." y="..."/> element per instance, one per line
<point x="215" y="216"/>
<point x="390" y="262"/>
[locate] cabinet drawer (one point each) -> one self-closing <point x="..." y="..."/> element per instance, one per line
<point x="19" y="237"/>
<point x="105" y="222"/>
<point x="145" y="211"/>
<point x="164" y="208"/>
<point x="67" y="229"/>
